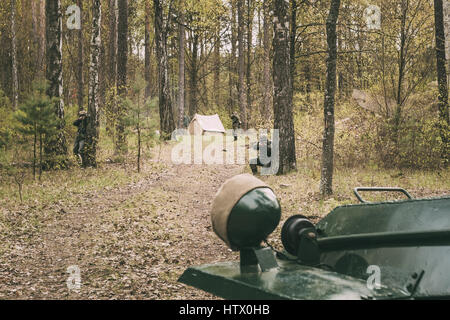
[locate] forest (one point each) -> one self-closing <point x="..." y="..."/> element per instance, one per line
<point x="92" y="91"/>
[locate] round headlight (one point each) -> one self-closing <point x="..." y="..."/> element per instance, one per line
<point x="245" y="212"/>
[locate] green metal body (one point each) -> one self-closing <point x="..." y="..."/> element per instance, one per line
<point x="429" y="219"/>
<point x="409" y="241"/>
<point x="288" y="282"/>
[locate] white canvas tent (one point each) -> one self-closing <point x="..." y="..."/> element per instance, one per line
<point x="204" y="125"/>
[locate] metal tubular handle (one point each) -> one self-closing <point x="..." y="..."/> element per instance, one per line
<point x="385" y="240"/>
<point x="356" y="192"/>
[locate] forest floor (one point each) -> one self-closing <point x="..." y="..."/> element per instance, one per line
<point x="132" y="235"/>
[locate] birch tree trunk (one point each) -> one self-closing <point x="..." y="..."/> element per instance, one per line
<point x="167" y="123"/>
<point x="326" y="181"/>
<point x="282" y="100"/>
<point x="92" y="132"/>
<point x="444" y="119"/>
<point x="15" y="81"/>
<point x="56" y="146"/>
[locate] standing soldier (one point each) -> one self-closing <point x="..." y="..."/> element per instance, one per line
<point x="81" y="123"/>
<point x="186" y="121"/>
<point x="236" y="125"/>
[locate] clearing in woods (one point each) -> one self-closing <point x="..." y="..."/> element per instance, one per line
<point x="132" y="235"/>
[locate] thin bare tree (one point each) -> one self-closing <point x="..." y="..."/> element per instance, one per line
<point x="444" y="118"/>
<point x="326" y="181"/>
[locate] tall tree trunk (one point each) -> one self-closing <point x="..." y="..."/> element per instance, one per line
<point x="167" y="123"/>
<point x="241" y="63"/>
<point x="35" y="20"/>
<point x="293" y="36"/>
<point x="181" y="66"/>
<point x="35" y="10"/>
<point x="282" y="100"/>
<point x="249" y="59"/>
<point x="216" y="84"/>
<point x="326" y="181"/>
<point x="112" y="67"/>
<point x="103" y="70"/>
<point x="232" y="62"/>
<point x="193" y="76"/>
<point x="42" y="45"/>
<point x="80" y="92"/>
<point x="112" y="42"/>
<point x="401" y="65"/>
<point x="148" y="55"/>
<point x="307" y="70"/>
<point x="92" y="132"/>
<point x="15" y="80"/>
<point x="268" y="85"/>
<point x="55" y="147"/>
<point x="122" y="61"/>
<point x="444" y="119"/>
<point x="203" y="71"/>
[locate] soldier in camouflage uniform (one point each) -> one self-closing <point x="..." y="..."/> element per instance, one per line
<point x="236" y="125"/>
<point x="81" y="123"/>
<point x="265" y="144"/>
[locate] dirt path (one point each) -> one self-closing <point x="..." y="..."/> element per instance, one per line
<point x="131" y="242"/>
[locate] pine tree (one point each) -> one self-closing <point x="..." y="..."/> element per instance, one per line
<point x="137" y="108"/>
<point x="5" y="123"/>
<point x="37" y="118"/>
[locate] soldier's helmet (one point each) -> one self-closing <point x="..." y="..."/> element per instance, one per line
<point x="82" y="113"/>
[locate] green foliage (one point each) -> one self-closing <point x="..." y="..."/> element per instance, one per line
<point x="6" y="122"/>
<point x="37" y="115"/>
<point x="140" y="121"/>
<point x="37" y="118"/>
<point x="110" y="111"/>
